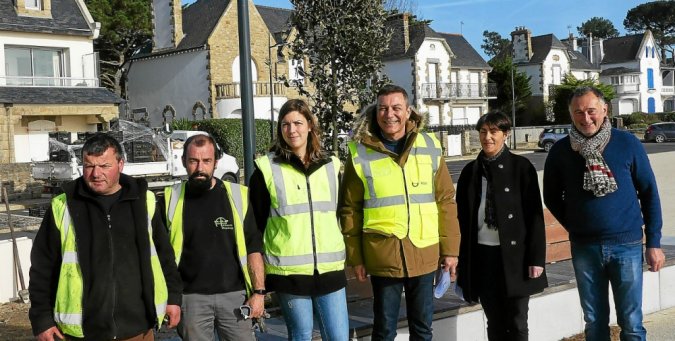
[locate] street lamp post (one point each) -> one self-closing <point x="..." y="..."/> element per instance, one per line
<point x="270" y="46"/>
<point x="513" y="107"/>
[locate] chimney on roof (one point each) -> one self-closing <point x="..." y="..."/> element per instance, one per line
<point x="400" y="36"/>
<point x="572" y="42"/>
<point x="521" y="41"/>
<point x="598" y="51"/>
<point x="167" y="24"/>
<point x="591" y="53"/>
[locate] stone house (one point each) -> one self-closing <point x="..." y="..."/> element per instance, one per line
<point x="49" y="82"/>
<point x="468" y="81"/>
<point x="546" y="60"/>
<point x="632" y="65"/>
<point x="422" y="61"/>
<point x="190" y="70"/>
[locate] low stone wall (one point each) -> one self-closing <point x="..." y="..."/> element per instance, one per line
<point x="18" y="181"/>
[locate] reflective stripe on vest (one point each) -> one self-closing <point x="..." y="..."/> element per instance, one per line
<point x="237" y="196"/>
<point x="400" y="202"/>
<point x="69" y="293"/>
<point x="302" y="233"/>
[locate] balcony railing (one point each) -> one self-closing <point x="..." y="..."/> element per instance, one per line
<point x="48" y="81"/>
<point x="626" y="88"/>
<point x="458" y="90"/>
<point x="668" y="90"/>
<point x="260" y="89"/>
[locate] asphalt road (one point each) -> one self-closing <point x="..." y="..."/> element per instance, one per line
<point x="538" y="157"/>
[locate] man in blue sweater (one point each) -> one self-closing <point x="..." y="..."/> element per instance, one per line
<point x="600" y="186"/>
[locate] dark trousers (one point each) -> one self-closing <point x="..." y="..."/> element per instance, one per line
<point x="506" y="316"/>
<point x="387" y="302"/>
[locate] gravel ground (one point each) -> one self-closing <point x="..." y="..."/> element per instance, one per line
<point x="20" y="222"/>
<point x="14" y="324"/>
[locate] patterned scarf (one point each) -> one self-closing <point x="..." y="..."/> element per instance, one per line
<point x="598" y="178"/>
<point x="490" y="215"/>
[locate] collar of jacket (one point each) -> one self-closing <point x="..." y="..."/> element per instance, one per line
<point x="504" y="159"/>
<point x="296" y="163"/>
<point x="131" y="188"/>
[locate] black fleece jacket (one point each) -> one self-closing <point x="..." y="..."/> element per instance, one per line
<point x="114" y="256"/>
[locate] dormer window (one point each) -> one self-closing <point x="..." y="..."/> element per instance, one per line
<point x="34" y="4"/>
<point x="34" y="8"/>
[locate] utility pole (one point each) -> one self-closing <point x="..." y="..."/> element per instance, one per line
<point x="247" y="110"/>
<point x="513" y="107"/>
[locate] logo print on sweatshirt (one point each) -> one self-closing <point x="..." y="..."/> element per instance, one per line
<point x="223" y="224"/>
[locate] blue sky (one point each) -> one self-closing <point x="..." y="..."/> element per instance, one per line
<point x="502" y="16"/>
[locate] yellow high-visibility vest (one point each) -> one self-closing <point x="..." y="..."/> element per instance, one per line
<point x="237" y="195"/>
<point x="400" y="201"/>
<point x="68" y="305"/>
<point x="302" y="232"/>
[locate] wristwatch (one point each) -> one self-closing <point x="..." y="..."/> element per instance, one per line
<point x="260" y="291"/>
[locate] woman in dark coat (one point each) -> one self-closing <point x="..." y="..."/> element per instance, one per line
<point x="503" y="248"/>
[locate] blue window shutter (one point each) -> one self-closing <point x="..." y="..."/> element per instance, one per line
<point x="653" y="49"/>
<point x="651" y="105"/>
<point x="650" y="78"/>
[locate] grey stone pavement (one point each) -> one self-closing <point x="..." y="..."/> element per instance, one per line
<point x="661" y="325"/>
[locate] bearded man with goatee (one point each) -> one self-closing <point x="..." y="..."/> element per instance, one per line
<point x="217" y="247"/>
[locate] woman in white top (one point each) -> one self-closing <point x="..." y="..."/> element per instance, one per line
<point x="503" y="248"/>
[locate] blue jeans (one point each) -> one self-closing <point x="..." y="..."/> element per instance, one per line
<point x="387" y="302"/>
<point x="329" y="311"/>
<point x="596" y="266"/>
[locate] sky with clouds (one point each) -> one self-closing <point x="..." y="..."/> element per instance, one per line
<point x="472" y="17"/>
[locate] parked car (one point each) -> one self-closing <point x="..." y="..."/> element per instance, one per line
<point x="551" y="135"/>
<point x="660" y="132"/>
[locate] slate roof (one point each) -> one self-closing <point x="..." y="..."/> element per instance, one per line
<point x="579" y="62"/>
<point x="277" y="19"/>
<point x="542" y="45"/>
<point x="418" y="33"/>
<point x="199" y="20"/>
<point x="465" y="54"/>
<point x="53" y="95"/>
<point x="66" y="19"/>
<point x="622" y="49"/>
<point x="618" y="71"/>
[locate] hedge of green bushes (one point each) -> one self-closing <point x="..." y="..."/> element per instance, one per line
<point x="638" y="120"/>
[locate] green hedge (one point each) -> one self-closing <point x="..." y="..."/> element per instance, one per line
<point x="229" y="133"/>
<point x="647" y="119"/>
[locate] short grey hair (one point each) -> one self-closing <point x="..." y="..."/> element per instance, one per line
<point x="583" y="90"/>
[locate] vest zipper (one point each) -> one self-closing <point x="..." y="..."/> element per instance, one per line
<point x="407" y="206"/>
<point x="407" y="199"/>
<point x="311" y="221"/>
<point x="114" y="291"/>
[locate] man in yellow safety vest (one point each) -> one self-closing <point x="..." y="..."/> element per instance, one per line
<point x="398" y="213"/>
<point x="218" y="248"/>
<point x="102" y="266"/>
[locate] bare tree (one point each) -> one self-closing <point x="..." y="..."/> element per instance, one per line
<point x="400" y="6"/>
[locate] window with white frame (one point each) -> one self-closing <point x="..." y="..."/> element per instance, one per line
<point x="616" y="80"/>
<point x="631" y="79"/>
<point x="33" y="4"/>
<point x="34" y="66"/>
<point x="295" y="70"/>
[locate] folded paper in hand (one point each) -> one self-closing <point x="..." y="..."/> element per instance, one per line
<point x="442" y="284"/>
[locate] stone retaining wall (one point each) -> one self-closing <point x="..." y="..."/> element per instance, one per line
<point x="18" y="181"/>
